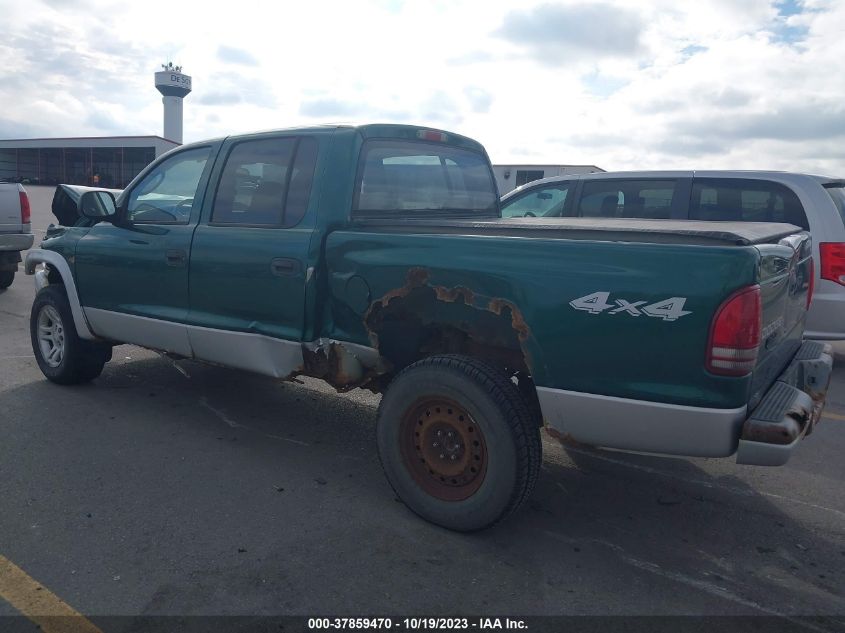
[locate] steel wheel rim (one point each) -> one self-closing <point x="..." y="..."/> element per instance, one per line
<point x="443" y="448"/>
<point x="51" y="336"/>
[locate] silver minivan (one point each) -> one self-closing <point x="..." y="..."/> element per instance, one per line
<point x="816" y="203"/>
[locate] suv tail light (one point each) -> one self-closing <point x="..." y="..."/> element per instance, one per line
<point x="25" y="212"/>
<point x="833" y="261"/>
<point x="735" y="334"/>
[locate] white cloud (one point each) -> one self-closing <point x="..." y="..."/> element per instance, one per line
<point x="617" y="83"/>
<point x="560" y="34"/>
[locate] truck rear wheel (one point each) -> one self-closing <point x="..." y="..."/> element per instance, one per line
<point x="62" y="356"/>
<point x="457" y="442"/>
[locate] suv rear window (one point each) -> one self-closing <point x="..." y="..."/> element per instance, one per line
<point x="418" y="179"/>
<point x="837" y="193"/>
<point x="627" y="199"/>
<point x="745" y="200"/>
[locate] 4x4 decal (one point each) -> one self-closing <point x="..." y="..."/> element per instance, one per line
<point x="670" y="309"/>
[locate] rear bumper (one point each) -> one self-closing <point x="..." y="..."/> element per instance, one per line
<point x="15" y="241"/>
<point x="766" y="437"/>
<point x="641" y="425"/>
<point x="790" y="409"/>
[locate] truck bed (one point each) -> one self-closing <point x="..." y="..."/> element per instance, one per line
<point x="473" y="265"/>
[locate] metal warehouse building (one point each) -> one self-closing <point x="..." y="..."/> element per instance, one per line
<point x="107" y="161"/>
<point x="509" y="177"/>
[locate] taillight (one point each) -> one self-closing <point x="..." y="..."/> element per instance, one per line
<point x="735" y="334"/>
<point x="25" y="213"/>
<point x="832" y="261"/>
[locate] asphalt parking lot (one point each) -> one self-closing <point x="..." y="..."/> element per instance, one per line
<point x="171" y="487"/>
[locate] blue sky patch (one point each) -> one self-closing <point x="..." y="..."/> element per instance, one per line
<point x="691" y="50"/>
<point x="602" y="86"/>
<point x="783" y="32"/>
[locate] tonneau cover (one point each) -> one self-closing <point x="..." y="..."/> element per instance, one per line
<point x="604" y="229"/>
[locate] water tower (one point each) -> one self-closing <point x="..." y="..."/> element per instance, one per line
<point x="173" y="86"/>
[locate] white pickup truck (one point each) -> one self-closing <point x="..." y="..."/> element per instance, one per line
<point x="15" y="231"/>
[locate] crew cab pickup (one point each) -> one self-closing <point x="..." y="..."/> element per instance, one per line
<point x="375" y="256"/>
<point x="15" y="233"/>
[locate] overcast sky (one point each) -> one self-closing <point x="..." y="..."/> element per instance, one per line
<point x="735" y="84"/>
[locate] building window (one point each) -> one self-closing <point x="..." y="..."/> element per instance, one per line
<point x="135" y="159"/>
<point x="8" y="164"/>
<point x="524" y="176"/>
<point x="28" y="164"/>
<point x="105" y="167"/>
<point x="51" y="166"/>
<point x="108" y="167"/>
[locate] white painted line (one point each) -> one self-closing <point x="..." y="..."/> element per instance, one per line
<point x="286" y="439"/>
<point x="701" y="585"/>
<point x="707" y="484"/>
<point x="221" y="415"/>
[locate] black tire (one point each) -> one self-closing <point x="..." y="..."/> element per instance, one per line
<point x="6" y="278"/>
<point x="477" y="400"/>
<point x="81" y="361"/>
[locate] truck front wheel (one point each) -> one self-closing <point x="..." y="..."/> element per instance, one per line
<point x="62" y="356"/>
<point x="457" y="442"/>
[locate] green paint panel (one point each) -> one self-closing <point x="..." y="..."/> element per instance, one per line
<point x="612" y="354"/>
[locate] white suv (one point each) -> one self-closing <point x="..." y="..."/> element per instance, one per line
<point x="816" y="203"/>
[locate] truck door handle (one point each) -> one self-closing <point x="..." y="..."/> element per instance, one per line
<point x="175" y="257"/>
<point x="285" y="266"/>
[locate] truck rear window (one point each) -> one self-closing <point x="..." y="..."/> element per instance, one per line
<point x="422" y="180"/>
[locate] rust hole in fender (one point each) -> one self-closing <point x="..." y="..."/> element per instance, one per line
<point x="421" y="318"/>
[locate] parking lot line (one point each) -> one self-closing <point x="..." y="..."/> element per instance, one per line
<point x="39" y="604"/>
<point x="833" y="416"/>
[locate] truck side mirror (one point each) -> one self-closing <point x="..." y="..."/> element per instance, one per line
<point x="97" y="205"/>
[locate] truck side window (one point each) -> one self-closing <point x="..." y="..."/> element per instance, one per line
<point x="547" y="201"/>
<point x="745" y="200"/>
<point x="300" y="181"/>
<point x="254" y="182"/>
<point x="266" y="182"/>
<point x="645" y="199"/>
<point x="166" y="194"/>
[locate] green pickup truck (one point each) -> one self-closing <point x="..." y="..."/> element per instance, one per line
<point x="376" y="257"/>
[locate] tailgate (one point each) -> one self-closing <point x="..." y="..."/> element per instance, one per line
<point x="785" y="277"/>
<point x="10" y="208"/>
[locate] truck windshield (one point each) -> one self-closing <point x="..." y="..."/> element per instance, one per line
<point x="423" y="180"/>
